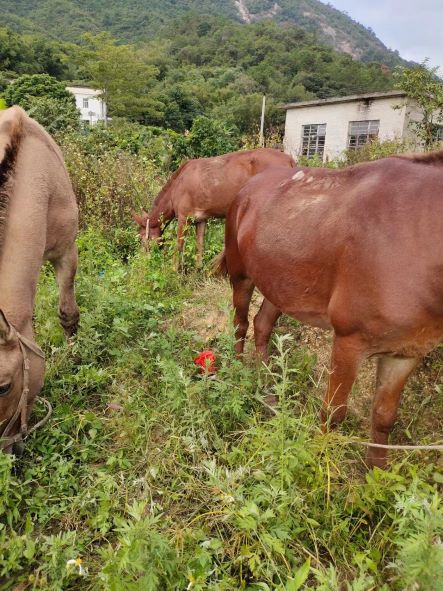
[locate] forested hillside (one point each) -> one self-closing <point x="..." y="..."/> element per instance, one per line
<point x="198" y="66"/>
<point x="138" y="20"/>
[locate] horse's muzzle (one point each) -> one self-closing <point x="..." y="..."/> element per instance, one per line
<point x="18" y="448"/>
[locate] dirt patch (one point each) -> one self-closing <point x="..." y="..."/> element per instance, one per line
<point x="207" y="312"/>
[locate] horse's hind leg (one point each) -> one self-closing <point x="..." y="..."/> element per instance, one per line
<point x="65" y="266"/>
<point x="200" y="232"/>
<point x="392" y="373"/>
<point x="242" y="293"/>
<point x="347" y="354"/>
<point x="264" y="322"/>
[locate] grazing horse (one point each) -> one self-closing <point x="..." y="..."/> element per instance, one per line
<point x="358" y="251"/>
<point x="38" y="222"/>
<point x="205" y="188"/>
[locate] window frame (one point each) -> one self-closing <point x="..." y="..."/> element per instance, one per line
<point x="86" y="102"/>
<point x="312" y="140"/>
<point x="362" y="136"/>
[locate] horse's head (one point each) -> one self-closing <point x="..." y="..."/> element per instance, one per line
<point x="21" y="378"/>
<point x="143" y="224"/>
<point x="147" y="231"/>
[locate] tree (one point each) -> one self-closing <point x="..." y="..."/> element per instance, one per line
<point x="422" y="85"/>
<point x="126" y="81"/>
<point x="21" y="90"/>
<point x="181" y="109"/>
<point x="210" y="137"/>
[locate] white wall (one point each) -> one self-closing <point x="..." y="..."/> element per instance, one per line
<point x="337" y="117"/>
<point x="96" y="109"/>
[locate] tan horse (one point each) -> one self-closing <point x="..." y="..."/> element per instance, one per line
<point x="205" y="188"/>
<point x="358" y="251"/>
<point x="38" y="222"/>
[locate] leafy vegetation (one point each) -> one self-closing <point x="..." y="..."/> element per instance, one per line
<point x="37" y="85"/>
<point x="200" y="66"/>
<point x="152" y="475"/>
<point x="28" y="54"/>
<point x="423" y="86"/>
<point x="126" y="81"/>
<point x="46" y="100"/>
<point x="139" y="20"/>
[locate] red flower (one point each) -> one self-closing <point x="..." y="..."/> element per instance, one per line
<point x="206" y="361"/>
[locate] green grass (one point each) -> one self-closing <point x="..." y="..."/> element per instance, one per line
<point x="160" y="478"/>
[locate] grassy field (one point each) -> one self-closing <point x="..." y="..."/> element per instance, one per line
<point x="159" y="478"/>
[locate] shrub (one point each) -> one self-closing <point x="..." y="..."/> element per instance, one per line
<point x="376" y="150"/>
<point x="36" y="85"/>
<point x="110" y="183"/>
<point x="210" y="137"/>
<point x="56" y="115"/>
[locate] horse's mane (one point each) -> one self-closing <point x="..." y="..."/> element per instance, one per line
<point x="11" y="133"/>
<point x="168" y="184"/>
<point x="425" y="158"/>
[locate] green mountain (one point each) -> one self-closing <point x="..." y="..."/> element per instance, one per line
<point x="139" y="20"/>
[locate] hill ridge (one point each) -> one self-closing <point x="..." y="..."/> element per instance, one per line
<point x="138" y="20"/>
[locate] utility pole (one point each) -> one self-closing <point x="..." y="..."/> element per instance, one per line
<point x="262" y="125"/>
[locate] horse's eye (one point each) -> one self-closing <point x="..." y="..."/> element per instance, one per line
<point x="5" y="389"/>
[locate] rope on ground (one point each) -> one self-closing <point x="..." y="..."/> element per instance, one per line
<point x="430" y="447"/>
<point x="411" y="447"/>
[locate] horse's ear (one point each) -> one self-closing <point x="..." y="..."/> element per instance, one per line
<point x="139" y="219"/>
<point x="142" y="220"/>
<point x="6" y="330"/>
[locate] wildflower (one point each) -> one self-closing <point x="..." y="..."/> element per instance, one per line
<point x="78" y="563"/>
<point x="206" y="361"/>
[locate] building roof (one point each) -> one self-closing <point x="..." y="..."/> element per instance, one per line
<point x="79" y="89"/>
<point x="346" y="99"/>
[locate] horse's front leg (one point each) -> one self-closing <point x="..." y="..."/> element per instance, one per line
<point x="65" y="266"/>
<point x="200" y="232"/>
<point x="181" y="228"/>
<point x="347" y="354"/>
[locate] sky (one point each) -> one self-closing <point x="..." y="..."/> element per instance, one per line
<point x="412" y="27"/>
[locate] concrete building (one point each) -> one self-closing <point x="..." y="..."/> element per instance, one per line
<point x="92" y="108"/>
<point x="328" y="127"/>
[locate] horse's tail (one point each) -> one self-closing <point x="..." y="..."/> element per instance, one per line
<point x="219" y="267"/>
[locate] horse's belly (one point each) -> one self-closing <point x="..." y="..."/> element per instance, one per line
<point x="313" y="319"/>
<point x="409" y="342"/>
<point x="302" y="306"/>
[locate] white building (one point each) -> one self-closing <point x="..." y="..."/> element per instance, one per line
<point x="328" y="127"/>
<point x="92" y="108"/>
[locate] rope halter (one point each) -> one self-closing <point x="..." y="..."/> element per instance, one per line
<point x="22" y="407"/>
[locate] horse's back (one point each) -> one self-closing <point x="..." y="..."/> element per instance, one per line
<point x="207" y="186"/>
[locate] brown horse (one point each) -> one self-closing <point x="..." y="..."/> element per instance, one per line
<point x="205" y="188"/>
<point x="38" y="222"/>
<point x="358" y="251"/>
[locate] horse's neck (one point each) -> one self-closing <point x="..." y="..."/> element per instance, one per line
<point x="22" y="251"/>
<point x="162" y="211"/>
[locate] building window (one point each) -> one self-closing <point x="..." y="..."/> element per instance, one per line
<point x="314" y="139"/>
<point x="85" y="103"/>
<point x="439" y="133"/>
<point x="362" y="132"/>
